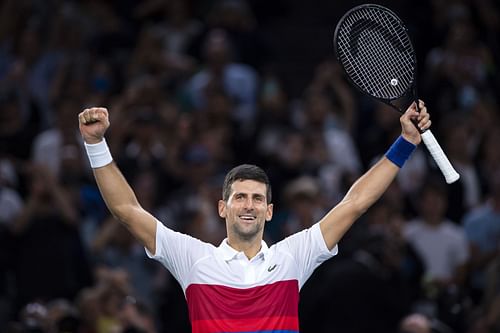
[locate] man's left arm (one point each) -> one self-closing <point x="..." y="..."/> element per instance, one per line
<point x="369" y="187"/>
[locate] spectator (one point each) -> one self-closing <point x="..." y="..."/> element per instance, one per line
<point x="239" y="81"/>
<point x="439" y="242"/>
<point x="482" y="229"/>
<point x="48" y="256"/>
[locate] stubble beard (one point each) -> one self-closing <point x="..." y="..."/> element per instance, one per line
<point x="250" y="233"/>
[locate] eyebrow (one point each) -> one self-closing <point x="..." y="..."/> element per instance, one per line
<point x="252" y="194"/>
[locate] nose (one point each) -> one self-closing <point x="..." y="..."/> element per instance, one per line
<point x="248" y="204"/>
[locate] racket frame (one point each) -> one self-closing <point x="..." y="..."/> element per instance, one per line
<point x="403" y="101"/>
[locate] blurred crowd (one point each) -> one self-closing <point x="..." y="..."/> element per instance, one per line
<point x="193" y="89"/>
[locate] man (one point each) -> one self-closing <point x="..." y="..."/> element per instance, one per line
<point x="438" y="241"/>
<point x="243" y="285"/>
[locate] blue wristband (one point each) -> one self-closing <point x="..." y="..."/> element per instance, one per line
<point x="400" y="151"/>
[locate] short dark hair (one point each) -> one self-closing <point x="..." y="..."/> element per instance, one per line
<point x="246" y="172"/>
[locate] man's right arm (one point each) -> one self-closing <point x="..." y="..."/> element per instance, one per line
<point x="115" y="190"/>
<point x="123" y="204"/>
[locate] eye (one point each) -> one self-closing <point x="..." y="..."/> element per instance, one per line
<point x="259" y="198"/>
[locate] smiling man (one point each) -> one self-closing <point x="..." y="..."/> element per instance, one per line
<point x="243" y="285"/>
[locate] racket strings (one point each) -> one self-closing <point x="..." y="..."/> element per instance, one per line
<point x="373" y="45"/>
<point x="372" y="42"/>
<point x="376" y="53"/>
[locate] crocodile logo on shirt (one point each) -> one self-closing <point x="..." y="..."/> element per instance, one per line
<point x="271" y="268"/>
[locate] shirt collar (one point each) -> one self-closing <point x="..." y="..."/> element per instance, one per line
<point x="228" y="253"/>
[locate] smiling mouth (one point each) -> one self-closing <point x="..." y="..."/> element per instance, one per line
<point x="247" y="218"/>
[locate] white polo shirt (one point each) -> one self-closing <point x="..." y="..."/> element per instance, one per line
<point x="226" y="292"/>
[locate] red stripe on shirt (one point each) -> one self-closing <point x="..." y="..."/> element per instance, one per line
<point x="246" y="325"/>
<point x="212" y="302"/>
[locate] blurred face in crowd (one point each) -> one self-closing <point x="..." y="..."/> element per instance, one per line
<point x="433" y="206"/>
<point x="217" y="49"/>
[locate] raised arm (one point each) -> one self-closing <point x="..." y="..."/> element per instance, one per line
<point x="369" y="187"/>
<point x="115" y="190"/>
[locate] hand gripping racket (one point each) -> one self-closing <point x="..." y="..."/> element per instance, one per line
<point x="373" y="47"/>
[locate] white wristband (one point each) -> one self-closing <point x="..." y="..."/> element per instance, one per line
<point x="98" y="154"/>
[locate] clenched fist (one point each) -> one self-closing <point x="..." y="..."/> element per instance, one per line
<point x="93" y="124"/>
<point x="411" y="118"/>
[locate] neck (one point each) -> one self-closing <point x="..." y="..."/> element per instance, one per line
<point x="433" y="221"/>
<point x="249" y="248"/>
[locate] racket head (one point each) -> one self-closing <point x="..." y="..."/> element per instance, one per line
<point x="374" y="49"/>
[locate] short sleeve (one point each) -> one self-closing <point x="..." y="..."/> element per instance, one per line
<point x="309" y="250"/>
<point x="178" y="252"/>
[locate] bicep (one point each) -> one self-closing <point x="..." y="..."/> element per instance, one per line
<point x="336" y="222"/>
<point x="143" y="226"/>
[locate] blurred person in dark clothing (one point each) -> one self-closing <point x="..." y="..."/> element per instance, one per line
<point x="303" y="199"/>
<point x="460" y="68"/>
<point x="136" y="317"/>
<point x="114" y="248"/>
<point x="363" y="293"/>
<point x="59" y="148"/>
<point x="482" y="229"/>
<point x="221" y="71"/>
<point x="16" y="130"/>
<point x="377" y="278"/>
<point x="48" y="255"/>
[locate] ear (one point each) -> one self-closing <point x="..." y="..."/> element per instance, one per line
<point x="269" y="212"/>
<point x="222" y="208"/>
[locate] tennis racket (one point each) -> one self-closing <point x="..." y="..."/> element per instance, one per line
<point x="373" y="47"/>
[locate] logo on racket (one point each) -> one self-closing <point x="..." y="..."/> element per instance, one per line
<point x="394" y="82"/>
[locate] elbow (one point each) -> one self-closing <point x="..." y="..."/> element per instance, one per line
<point x="357" y="204"/>
<point x="124" y="213"/>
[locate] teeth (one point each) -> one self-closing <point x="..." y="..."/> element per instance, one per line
<point x="246" y="217"/>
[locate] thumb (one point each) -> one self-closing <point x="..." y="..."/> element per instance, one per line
<point x="408" y="128"/>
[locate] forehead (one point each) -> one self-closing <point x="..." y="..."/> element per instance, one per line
<point x="249" y="187"/>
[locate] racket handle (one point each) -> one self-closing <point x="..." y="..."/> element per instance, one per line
<point x="439" y="156"/>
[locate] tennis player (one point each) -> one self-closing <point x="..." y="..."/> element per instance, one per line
<point x="243" y="285"/>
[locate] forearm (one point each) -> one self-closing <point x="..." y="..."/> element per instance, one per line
<point x="362" y="194"/>
<point x="123" y="204"/>
<point x="116" y="192"/>
<point x="370" y="187"/>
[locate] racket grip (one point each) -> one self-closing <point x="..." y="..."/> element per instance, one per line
<point x="439" y="156"/>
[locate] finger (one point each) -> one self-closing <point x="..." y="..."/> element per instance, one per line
<point x="426" y="125"/>
<point x="423" y="119"/>
<point x="411" y="113"/>
<point x="81" y="119"/>
<point x="421" y="104"/>
<point x="94" y="115"/>
<point x="422" y="114"/>
<point x="99" y="114"/>
<point x="102" y="114"/>
<point x="88" y="116"/>
<point x="413" y="106"/>
<point x="84" y="117"/>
